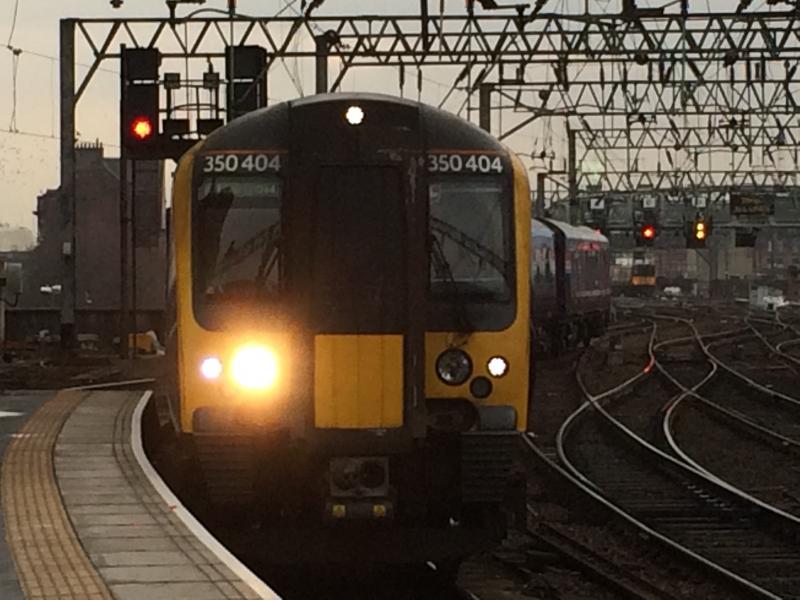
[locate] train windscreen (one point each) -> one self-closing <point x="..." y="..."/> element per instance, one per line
<point x="644" y="270"/>
<point x="237" y="239"/>
<point x="470" y="225"/>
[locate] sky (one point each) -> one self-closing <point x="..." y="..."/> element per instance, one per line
<point x="29" y="81"/>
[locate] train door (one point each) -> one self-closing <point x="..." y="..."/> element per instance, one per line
<point x="358" y="297"/>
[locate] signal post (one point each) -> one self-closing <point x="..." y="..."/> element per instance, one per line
<point x="139" y="131"/>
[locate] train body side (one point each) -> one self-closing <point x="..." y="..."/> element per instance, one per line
<point x="544" y="283"/>
<point x="573" y="305"/>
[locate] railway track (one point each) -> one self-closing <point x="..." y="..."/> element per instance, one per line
<point x="757" y="362"/>
<point x="757" y="404"/>
<point x="597" y="567"/>
<point x="572" y="544"/>
<point x="779" y="334"/>
<point x="754" y="409"/>
<point x="617" y="453"/>
<point x="609" y="547"/>
<point x="699" y="423"/>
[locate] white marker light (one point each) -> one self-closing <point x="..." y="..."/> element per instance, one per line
<point x="354" y="115"/>
<point x="211" y="368"/>
<point x="497" y="366"/>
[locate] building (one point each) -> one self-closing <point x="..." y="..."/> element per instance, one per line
<point x="97" y="254"/>
<point x="15" y="239"/>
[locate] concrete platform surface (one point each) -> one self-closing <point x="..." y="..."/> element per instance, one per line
<point x="88" y="518"/>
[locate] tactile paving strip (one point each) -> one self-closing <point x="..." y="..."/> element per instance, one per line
<point x="49" y="558"/>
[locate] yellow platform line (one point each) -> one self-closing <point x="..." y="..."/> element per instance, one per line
<point x="50" y="561"/>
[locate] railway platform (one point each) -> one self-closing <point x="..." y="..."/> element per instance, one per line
<point x="85" y="515"/>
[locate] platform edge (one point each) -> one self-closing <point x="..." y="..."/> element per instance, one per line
<point x="180" y="511"/>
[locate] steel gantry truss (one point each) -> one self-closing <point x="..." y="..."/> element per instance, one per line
<point x="660" y="98"/>
<point x="649" y="69"/>
<point x="664" y="100"/>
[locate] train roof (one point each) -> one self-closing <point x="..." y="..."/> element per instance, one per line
<point x="579" y="232"/>
<point x="274" y="126"/>
<point x="539" y="229"/>
<point x="353" y="96"/>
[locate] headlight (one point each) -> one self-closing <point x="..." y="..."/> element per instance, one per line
<point x="254" y="368"/>
<point x="211" y="368"/>
<point x="497" y="366"/>
<point x="453" y="366"/>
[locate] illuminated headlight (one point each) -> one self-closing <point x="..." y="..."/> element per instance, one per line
<point x="211" y="367"/>
<point x="254" y="368"/>
<point x="354" y="115"/>
<point x="453" y="366"/>
<point x="497" y="366"/>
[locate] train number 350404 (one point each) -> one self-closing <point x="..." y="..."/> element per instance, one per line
<point x="236" y="163"/>
<point x="457" y="163"/>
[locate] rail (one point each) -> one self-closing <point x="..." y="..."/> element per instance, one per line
<point x="573" y="474"/>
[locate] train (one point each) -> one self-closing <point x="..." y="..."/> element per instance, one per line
<point x="349" y="316"/>
<point x="643" y="281"/>
<point x="570" y="285"/>
<point x="634" y="273"/>
<point x="349" y="308"/>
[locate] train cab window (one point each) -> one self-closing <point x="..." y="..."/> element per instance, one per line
<point x="237" y="240"/>
<point x="470" y="226"/>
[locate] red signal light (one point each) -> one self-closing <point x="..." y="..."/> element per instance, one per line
<point x="142" y="128"/>
<point x="648" y="232"/>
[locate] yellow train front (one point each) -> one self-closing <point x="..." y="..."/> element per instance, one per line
<point x="350" y="290"/>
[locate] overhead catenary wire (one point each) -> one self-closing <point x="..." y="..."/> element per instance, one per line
<point x="13" y="27"/>
<point x="16" y="57"/>
<point x="15" y="52"/>
<point x="12" y="124"/>
<point x="55" y="59"/>
<point x="43" y="136"/>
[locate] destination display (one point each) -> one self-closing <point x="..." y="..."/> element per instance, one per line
<point x="752" y="204"/>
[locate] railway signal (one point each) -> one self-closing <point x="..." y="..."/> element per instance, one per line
<point x="698" y="233"/>
<point x="140" y="104"/>
<point x="142" y="128"/>
<point x="646" y="235"/>
<point x="247" y="79"/>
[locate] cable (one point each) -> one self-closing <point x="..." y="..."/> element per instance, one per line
<point x="54" y="59"/>
<point x="14" y="72"/>
<point x="13" y="23"/>
<point x="44" y="136"/>
<point x="15" y="52"/>
<point x="29" y="134"/>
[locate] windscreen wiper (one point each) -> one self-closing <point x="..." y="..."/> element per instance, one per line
<point x="473" y="246"/>
<point x="269" y="257"/>
<point x="444" y="270"/>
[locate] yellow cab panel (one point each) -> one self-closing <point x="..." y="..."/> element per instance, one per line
<point x="512" y="343"/>
<point x="358" y="381"/>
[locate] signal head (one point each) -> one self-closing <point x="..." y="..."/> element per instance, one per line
<point x="648" y="232"/>
<point x="142" y="128"/>
<point x="700" y="230"/>
<point x="697" y="233"/>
